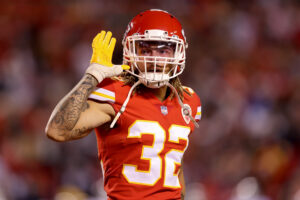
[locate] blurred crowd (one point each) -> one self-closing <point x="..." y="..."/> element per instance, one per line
<point x="243" y="60"/>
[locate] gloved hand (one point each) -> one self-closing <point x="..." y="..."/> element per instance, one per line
<point x="101" y="66"/>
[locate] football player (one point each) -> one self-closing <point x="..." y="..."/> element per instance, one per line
<point x="141" y="113"/>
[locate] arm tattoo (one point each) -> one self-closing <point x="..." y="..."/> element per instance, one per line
<point x="75" y="103"/>
<point x="182" y="196"/>
<point x="77" y="133"/>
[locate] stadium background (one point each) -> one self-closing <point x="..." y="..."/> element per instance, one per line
<point x="243" y="60"/>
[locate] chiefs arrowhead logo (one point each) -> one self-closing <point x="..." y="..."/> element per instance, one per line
<point x="186" y="112"/>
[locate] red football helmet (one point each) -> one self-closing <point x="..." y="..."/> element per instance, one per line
<point x="160" y="29"/>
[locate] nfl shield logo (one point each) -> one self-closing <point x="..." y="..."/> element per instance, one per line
<point x="164" y="110"/>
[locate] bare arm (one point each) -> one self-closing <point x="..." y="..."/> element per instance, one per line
<point x="181" y="180"/>
<point x="74" y="116"/>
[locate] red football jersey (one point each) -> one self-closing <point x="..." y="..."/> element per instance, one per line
<point x="141" y="155"/>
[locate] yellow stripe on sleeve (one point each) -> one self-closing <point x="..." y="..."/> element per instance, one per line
<point x="104" y="95"/>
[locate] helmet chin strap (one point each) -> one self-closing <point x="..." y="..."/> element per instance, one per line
<point x="184" y="108"/>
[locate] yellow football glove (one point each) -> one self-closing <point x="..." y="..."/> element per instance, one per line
<point x="101" y="66"/>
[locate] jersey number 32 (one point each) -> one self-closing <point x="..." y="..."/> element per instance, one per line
<point x="152" y="154"/>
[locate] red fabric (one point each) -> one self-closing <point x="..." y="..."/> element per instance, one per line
<point x="116" y="149"/>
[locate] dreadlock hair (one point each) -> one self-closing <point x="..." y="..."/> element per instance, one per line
<point x="129" y="79"/>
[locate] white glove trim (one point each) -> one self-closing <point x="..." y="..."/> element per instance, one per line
<point x="101" y="72"/>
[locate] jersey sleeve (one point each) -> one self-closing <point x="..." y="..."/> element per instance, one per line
<point x="198" y="112"/>
<point x="104" y="92"/>
<point x="195" y="103"/>
<point x="111" y="91"/>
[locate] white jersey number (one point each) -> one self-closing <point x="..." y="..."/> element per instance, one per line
<point x="151" y="153"/>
